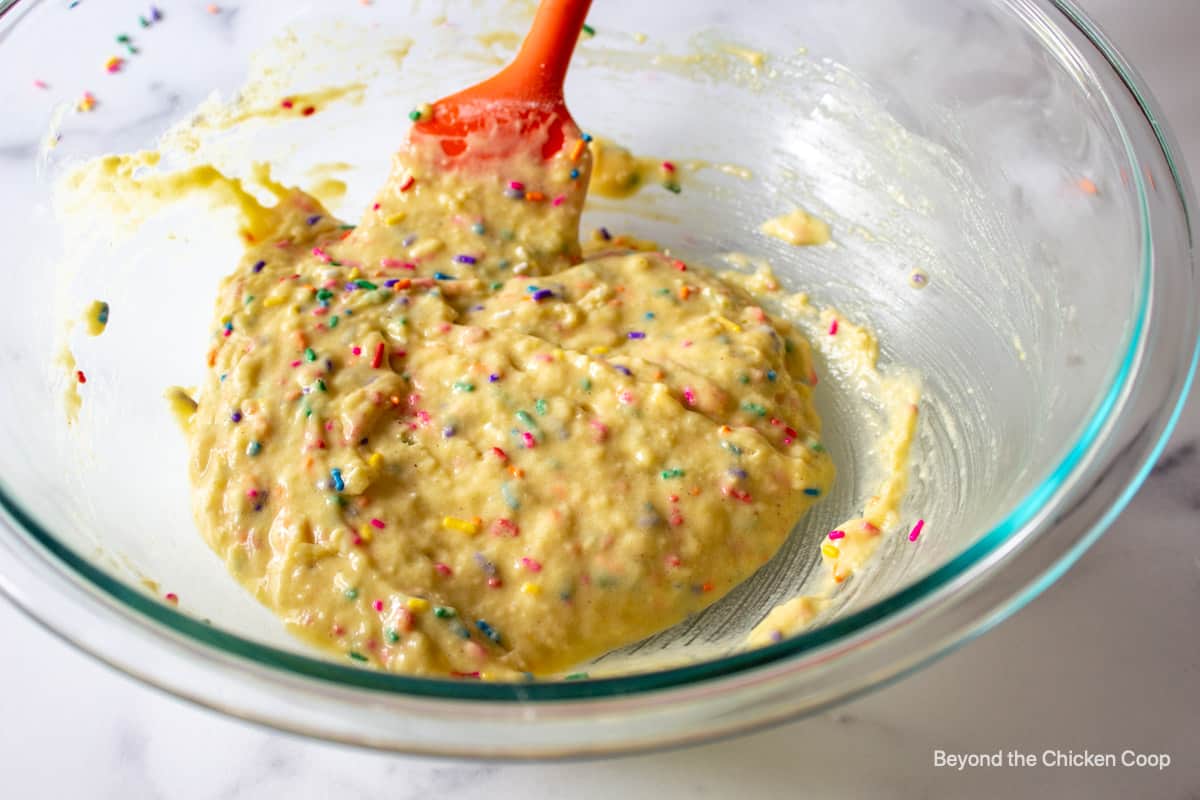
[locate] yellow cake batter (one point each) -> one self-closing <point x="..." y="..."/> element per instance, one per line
<point x="441" y="441"/>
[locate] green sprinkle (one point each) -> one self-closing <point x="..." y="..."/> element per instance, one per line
<point x="123" y="39"/>
<point x="576" y="676"/>
<point x="663" y="291"/>
<point x="365" y="285"/>
<point x="478" y="228"/>
<point x="539" y="405"/>
<point x="463" y="386"/>
<point x="589" y="30"/>
<point x="249" y="300"/>
<point x="415" y="114"/>
<point x="510" y="498"/>
<point x="817" y="447"/>
<point x="324" y="294"/>
<point x="667" y="474"/>
<point x="352" y="594"/>
<point x="333" y="321"/>
<point x="524" y="417"/>
<point x="307" y="411"/>
<point x="672" y="187"/>
<point x="444" y="612"/>
<point x="743" y="378"/>
<point x="310" y="354"/>
<point x="357" y="656"/>
<point x="731" y="447"/>
<point x="586" y="383"/>
<point x="346" y="227"/>
<point x="320" y="385"/>
<point x="755" y="408"/>
<point x="497" y="285"/>
<point x="392" y="636"/>
<point x="254" y="448"/>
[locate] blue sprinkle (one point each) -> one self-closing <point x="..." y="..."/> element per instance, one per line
<point x="771" y="375"/>
<point x="408" y="240"/>
<point x="812" y="491"/>
<point x="649" y="315"/>
<point x="441" y="276"/>
<point x="391" y="282"/>
<point x="622" y="370"/>
<point x="488" y="630"/>
<point x="478" y="228"/>
<point x="465" y="259"/>
<point x="339" y="484"/>
<point x="737" y="473"/>
<point x="587" y="137"/>
<point x="448" y="431"/>
<point x="510" y="498"/>
<point x="493" y="377"/>
<point x="636" y="335"/>
<point x="236" y="416"/>
<point x="542" y="294"/>
<point x="258" y="267"/>
<point x="314" y="219"/>
<point x="574" y="174"/>
<point x="254" y="448"/>
<point x="604" y="233"/>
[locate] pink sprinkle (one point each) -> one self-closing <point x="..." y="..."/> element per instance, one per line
<point x="171" y="597"/>
<point x="321" y="254"/>
<point x="295" y="363"/>
<point x="916" y="530"/>
<point x="395" y="263"/>
<point x="833" y="328"/>
<point x="531" y="564"/>
<point x="516" y="186"/>
<point x="687" y="343"/>
<point x="837" y="534"/>
<point x="558" y="201"/>
<point x="530" y="442"/>
<point x="378" y="523"/>
<point x="443" y="569"/>
<point x="252" y="493"/>
<point x="689" y="396"/>
<point x="40" y="84"/>
<point x="375" y="207"/>
<point x="377" y="605"/>
<point x="668" y="166"/>
<point x="626" y="397"/>
<point x="356" y="350"/>
<point x="601" y="430"/>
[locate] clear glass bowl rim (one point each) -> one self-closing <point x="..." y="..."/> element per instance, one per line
<point x="1009" y="532"/>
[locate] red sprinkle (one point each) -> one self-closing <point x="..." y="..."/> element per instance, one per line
<point x="377" y="359"/>
<point x="505" y="527"/>
<point x="79" y="376"/>
<point x="833" y="328"/>
<point x="500" y="454"/>
<point x="377" y="605"/>
<point x="404" y="187"/>
<point x="171" y="597"/>
<point x="308" y="111"/>
<point x="443" y="569"/>
<point x="736" y="493"/>
<point x="287" y="102"/>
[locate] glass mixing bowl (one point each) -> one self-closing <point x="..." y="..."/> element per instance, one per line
<point x="1003" y="147"/>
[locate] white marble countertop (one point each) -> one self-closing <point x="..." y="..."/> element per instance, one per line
<point x="1107" y="659"/>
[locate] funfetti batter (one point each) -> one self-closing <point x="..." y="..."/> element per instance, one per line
<point x="438" y="444"/>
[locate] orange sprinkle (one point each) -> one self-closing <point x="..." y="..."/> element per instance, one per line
<point x="1087" y="186"/>
<point x="577" y="149"/>
<point x="707" y="586"/>
<point x="534" y="197"/>
<point x="694" y="491"/>
<point x="685" y="292"/>
<point x="516" y="471"/>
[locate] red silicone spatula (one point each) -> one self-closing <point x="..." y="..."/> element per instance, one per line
<point x="523" y="102"/>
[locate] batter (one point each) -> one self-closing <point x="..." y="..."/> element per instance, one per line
<point x="437" y="443"/>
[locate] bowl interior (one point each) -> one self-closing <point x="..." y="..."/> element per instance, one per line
<point x="969" y="142"/>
